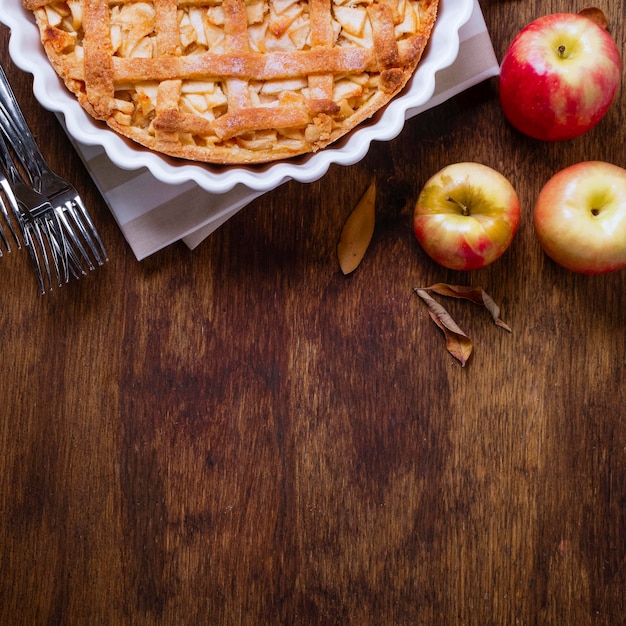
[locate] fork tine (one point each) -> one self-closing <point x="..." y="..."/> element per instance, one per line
<point x="43" y="238"/>
<point x="74" y="265"/>
<point x="10" y="197"/>
<point x="57" y="250"/>
<point x="73" y="237"/>
<point x="39" y="235"/>
<point x="3" y="237"/>
<point x="98" y="249"/>
<point x="60" y="250"/>
<point x="87" y="228"/>
<point x="29" y="244"/>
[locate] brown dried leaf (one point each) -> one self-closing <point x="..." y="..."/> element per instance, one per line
<point x="595" y="15"/>
<point x="357" y="232"/>
<point x="474" y="294"/>
<point x="459" y="345"/>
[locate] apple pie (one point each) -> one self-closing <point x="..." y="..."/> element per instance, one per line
<point x="234" y="81"/>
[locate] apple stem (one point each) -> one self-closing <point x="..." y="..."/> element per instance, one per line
<point x="464" y="208"/>
<point x="561" y="50"/>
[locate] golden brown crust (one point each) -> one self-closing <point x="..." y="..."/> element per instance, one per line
<point x="234" y="81"/>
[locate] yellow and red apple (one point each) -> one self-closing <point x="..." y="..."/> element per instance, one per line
<point x="466" y="216"/>
<point x="580" y="217"/>
<point x="559" y="77"/>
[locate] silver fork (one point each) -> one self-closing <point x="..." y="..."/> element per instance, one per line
<point x="78" y="227"/>
<point x="38" y="222"/>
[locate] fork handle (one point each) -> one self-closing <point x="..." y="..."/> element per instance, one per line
<point x="18" y="133"/>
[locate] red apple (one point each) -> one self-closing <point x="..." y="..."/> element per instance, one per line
<point x="559" y="76"/>
<point x="466" y="216"/>
<point x="580" y="217"/>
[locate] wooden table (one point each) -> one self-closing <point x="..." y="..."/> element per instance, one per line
<point x="242" y="435"/>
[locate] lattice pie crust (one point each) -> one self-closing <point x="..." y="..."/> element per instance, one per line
<point x="234" y="81"/>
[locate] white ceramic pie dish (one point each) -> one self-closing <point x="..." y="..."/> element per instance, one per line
<point x="28" y="54"/>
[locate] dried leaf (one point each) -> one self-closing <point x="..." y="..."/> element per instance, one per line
<point x="474" y="294"/>
<point x="459" y="345"/>
<point x="595" y="15"/>
<point x="357" y="232"/>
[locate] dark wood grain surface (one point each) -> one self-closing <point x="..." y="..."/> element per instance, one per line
<point x="242" y="435"/>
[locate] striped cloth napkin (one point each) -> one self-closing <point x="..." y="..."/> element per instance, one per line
<point x="152" y="214"/>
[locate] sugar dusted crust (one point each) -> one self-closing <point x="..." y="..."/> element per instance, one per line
<point x="234" y="81"/>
